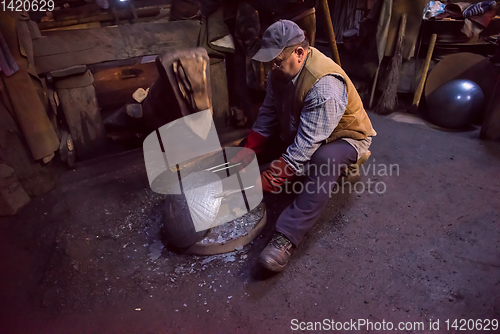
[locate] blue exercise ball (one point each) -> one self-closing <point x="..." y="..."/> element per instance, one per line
<point x="455" y="104"/>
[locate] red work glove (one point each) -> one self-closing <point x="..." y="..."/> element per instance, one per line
<point x="255" y="142"/>
<point x="274" y="177"/>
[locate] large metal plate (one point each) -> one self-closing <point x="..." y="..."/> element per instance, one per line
<point x="464" y="65"/>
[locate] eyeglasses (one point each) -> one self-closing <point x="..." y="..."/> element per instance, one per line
<point x="277" y="63"/>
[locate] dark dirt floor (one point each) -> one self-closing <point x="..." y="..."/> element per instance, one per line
<point x="81" y="258"/>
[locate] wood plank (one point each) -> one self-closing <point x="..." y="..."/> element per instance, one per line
<point x="79" y="103"/>
<point x="113" y="91"/>
<point x="76" y="12"/>
<point x="35" y="178"/>
<point x="150" y="12"/>
<point x="91" y="46"/>
<point x="12" y="195"/>
<point x="220" y="98"/>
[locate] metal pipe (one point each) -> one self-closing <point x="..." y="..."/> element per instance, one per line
<point x="209" y="169"/>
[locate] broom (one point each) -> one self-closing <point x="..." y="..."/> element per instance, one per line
<point x="389" y="100"/>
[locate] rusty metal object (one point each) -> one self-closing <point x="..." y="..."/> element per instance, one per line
<point x="165" y="91"/>
<point x="198" y="69"/>
<point x="192" y="81"/>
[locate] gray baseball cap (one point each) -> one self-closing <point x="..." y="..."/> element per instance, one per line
<point x="278" y="36"/>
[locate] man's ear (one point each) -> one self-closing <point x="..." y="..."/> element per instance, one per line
<point x="301" y="52"/>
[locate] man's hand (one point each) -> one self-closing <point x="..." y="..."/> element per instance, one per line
<point x="244" y="156"/>
<point x="256" y="142"/>
<point x="276" y="175"/>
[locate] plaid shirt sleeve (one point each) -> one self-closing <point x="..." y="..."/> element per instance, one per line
<point x="323" y="108"/>
<point x="267" y="122"/>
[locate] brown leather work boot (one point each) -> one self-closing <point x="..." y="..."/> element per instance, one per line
<point x="277" y="253"/>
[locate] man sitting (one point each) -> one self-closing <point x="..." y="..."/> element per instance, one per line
<point x="317" y="112"/>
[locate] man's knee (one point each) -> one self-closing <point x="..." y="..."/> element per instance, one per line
<point x="332" y="159"/>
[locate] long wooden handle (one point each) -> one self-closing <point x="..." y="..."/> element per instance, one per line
<point x="402" y="31"/>
<point x="374" y="85"/>
<point x="420" y="88"/>
<point x="331" y="34"/>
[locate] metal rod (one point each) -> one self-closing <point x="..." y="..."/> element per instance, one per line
<point x="230" y="192"/>
<point x="218" y="170"/>
<point x="209" y="169"/>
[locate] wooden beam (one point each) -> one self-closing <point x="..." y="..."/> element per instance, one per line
<point x="329" y="29"/>
<point x="76" y="12"/>
<point x="35" y="178"/>
<point x="91" y="46"/>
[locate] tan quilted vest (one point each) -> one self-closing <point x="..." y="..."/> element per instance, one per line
<point x="353" y="124"/>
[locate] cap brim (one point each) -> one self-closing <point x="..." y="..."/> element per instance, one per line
<point x="265" y="55"/>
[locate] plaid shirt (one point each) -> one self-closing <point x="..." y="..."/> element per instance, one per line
<point x="323" y="108"/>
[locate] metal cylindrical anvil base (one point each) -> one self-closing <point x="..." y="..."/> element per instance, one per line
<point x="232" y="235"/>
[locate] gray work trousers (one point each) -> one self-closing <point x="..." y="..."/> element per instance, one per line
<point x="322" y="172"/>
